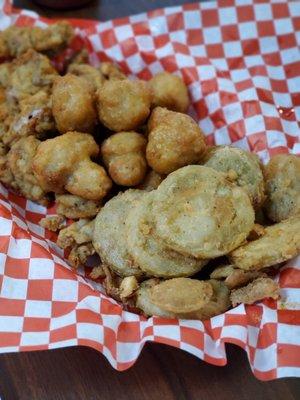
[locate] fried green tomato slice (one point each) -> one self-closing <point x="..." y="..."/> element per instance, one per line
<point x="280" y="242"/>
<point x="109" y="237"/>
<point x="198" y="212"/>
<point x="183" y="298"/>
<point x="149" y="252"/>
<point x="242" y="167"/>
<point x="282" y="175"/>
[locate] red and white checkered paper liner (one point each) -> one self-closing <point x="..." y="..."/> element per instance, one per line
<point x="241" y="61"/>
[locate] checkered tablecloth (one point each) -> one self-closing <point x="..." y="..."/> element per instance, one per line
<point x="241" y="62"/>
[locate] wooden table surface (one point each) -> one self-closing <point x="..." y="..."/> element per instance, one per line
<point x="161" y="372"/>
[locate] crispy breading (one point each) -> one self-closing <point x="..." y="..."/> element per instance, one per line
<point x="183" y="298"/>
<point x="124" y="156"/>
<point x="259" y="289"/>
<point x="92" y="76"/>
<point x="241" y="167"/>
<point x="123" y="105"/>
<point x="198" y="212"/>
<point x="280" y="242"/>
<point x="35" y="118"/>
<point x="152" y="181"/>
<point x="111" y="71"/>
<point x="174" y="140"/>
<point x="73" y="104"/>
<point x="19" y="162"/>
<point x="64" y="163"/>
<point x="31" y="72"/>
<point x="76" y="207"/>
<point x="53" y="222"/>
<point x="110" y="239"/>
<point x="16" y="40"/>
<point x="79" y="254"/>
<point x="234" y="277"/>
<point x="169" y="91"/>
<point x="282" y="175"/>
<point x="149" y="252"/>
<point x="77" y="233"/>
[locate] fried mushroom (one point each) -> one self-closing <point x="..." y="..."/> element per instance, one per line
<point x="123" y="105"/>
<point x="174" y="140"/>
<point x="73" y="104"/>
<point x="64" y="163"/>
<point x="124" y="156"/>
<point x="169" y="91"/>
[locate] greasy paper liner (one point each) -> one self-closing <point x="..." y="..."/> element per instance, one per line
<point x="241" y="62"/>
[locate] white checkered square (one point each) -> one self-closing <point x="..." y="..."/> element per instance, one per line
<point x="90" y="331"/>
<point x="227" y="15"/>
<point x="19" y="248"/>
<point x="37" y="308"/>
<point x="14" y="288"/>
<point x="34" y="338"/>
<point x="266" y="359"/>
<point x="11" y="323"/>
<point x="263" y="12"/>
<point x="41" y="268"/>
<point x="233" y="49"/>
<point x="192" y="20"/>
<point x="65" y="290"/>
<point x="212" y="35"/>
<point x="5" y="226"/>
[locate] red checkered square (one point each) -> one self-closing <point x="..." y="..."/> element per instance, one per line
<point x="241" y="62"/>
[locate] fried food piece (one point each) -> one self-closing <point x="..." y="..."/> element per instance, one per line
<point x="148" y="251"/>
<point x="16" y="40"/>
<point x="35" y="118"/>
<point x="259" y="289"/>
<point x="183" y="298"/>
<point x="110" y="239"/>
<point x="75" y="207"/>
<point x="174" y="140"/>
<point x="181" y="295"/>
<point x="282" y="175"/>
<point x="198" y="212"/>
<point x="6" y="175"/>
<point x="93" y="77"/>
<point x="19" y="161"/>
<point x="241" y="167"/>
<point x="151" y="181"/>
<point x="128" y="287"/>
<point x="78" y="233"/>
<point x="53" y="38"/>
<point x="82" y="57"/>
<point x="64" y="163"/>
<point x="97" y="272"/>
<point x="5" y="72"/>
<point x="53" y="223"/>
<point x="111" y="71"/>
<point x="73" y="104"/>
<point x="79" y="254"/>
<point x="257" y="231"/>
<point x="234" y="277"/>
<point x="31" y="72"/>
<point x="169" y="91"/>
<point x="123" y="105"/>
<point x="280" y="242"/>
<point x="124" y="156"/>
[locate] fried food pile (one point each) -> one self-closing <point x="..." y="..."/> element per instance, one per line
<point x="180" y="229"/>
